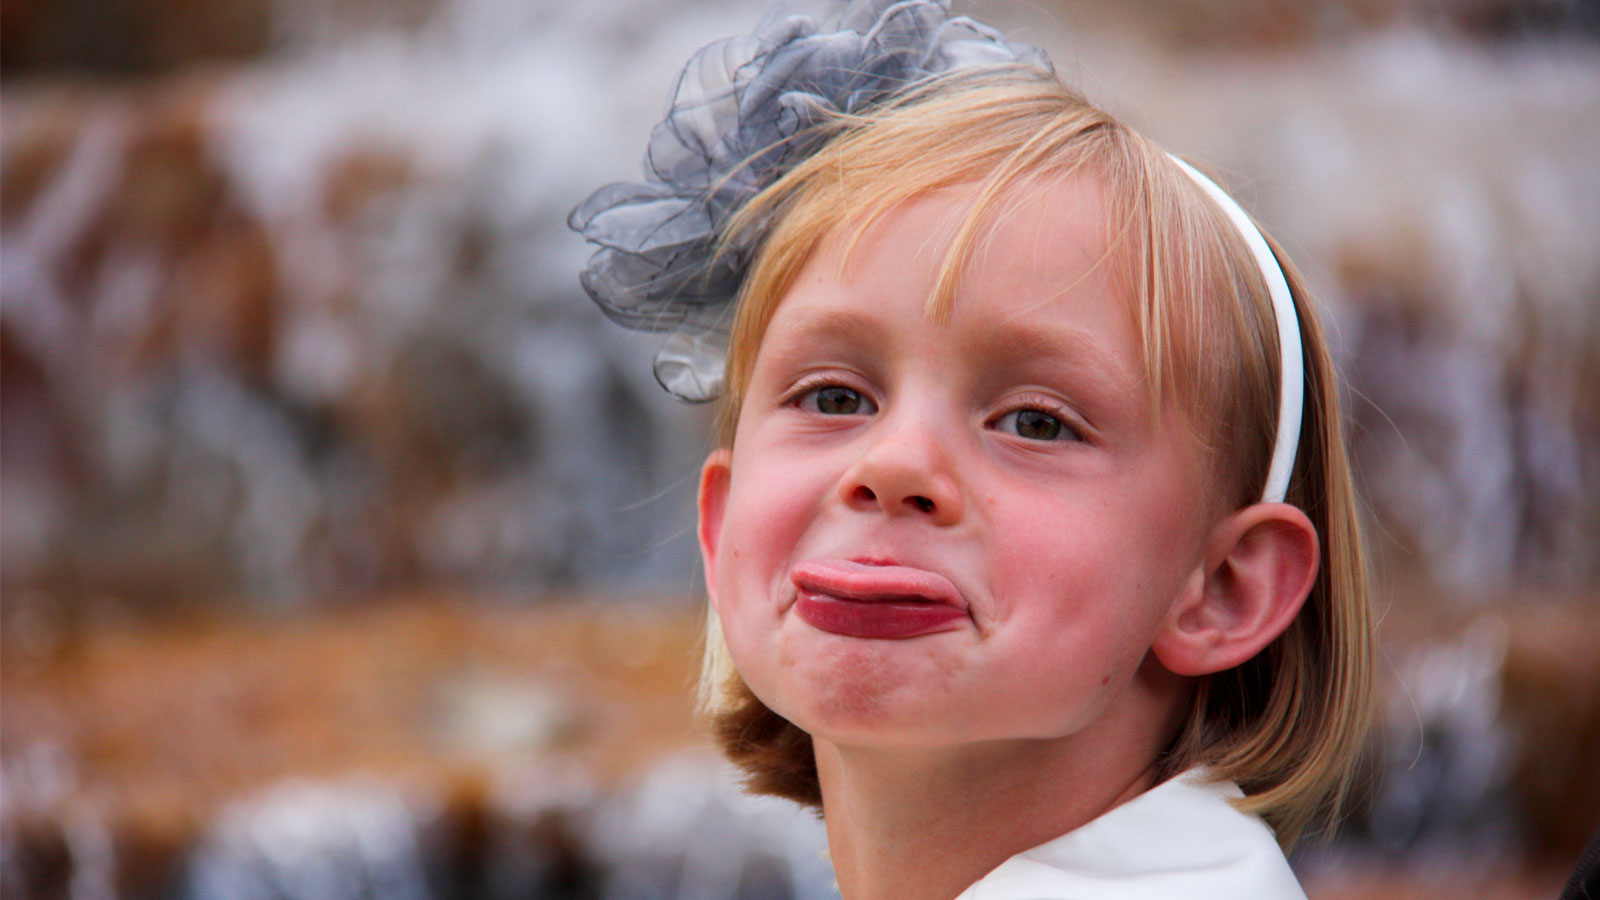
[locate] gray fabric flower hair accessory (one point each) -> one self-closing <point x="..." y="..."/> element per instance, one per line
<point x="744" y="112"/>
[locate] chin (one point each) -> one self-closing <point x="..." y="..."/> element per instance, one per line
<point x="867" y="712"/>
<point x="867" y="692"/>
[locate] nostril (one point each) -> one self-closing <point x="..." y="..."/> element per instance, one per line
<point x="864" y="494"/>
<point x="922" y="503"/>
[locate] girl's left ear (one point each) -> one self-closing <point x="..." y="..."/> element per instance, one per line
<point x="1259" y="567"/>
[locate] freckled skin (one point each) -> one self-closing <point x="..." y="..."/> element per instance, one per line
<point x="1079" y="545"/>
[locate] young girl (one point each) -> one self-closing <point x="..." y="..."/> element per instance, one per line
<point x="1029" y="534"/>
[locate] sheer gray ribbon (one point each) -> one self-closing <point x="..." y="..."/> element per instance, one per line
<point x="742" y="114"/>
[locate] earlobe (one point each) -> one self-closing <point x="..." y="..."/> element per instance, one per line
<point x="1260" y="565"/>
<point x="715" y="474"/>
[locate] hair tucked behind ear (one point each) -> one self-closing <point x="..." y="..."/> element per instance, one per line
<point x="1286" y="725"/>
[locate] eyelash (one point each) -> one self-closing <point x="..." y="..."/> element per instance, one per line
<point x="811" y="387"/>
<point x="1070" y="430"/>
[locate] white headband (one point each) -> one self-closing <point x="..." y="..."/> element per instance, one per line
<point x="1291" y="393"/>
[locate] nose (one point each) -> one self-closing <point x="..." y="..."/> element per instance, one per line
<point x="905" y="471"/>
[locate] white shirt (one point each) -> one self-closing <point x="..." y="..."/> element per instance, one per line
<point x="1180" y="840"/>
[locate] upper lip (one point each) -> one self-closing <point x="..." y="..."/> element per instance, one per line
<point x="875" y="579"/>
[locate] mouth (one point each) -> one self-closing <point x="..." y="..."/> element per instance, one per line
<point x="875" y="600"/>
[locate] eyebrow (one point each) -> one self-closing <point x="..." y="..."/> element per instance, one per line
<point x="1054" y="345"/>
<point x="829" y="325"/>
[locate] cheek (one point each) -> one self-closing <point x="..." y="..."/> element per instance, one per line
<point x="1062" y="663"/>
<point x="1057" y="564"/>
<point x="759" y="530"/>
<point x="1078" y="600"/>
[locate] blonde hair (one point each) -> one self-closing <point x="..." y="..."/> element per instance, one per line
<point x="1287" y="724"/>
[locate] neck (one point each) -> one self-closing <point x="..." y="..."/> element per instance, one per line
<point x="924" y="824"/>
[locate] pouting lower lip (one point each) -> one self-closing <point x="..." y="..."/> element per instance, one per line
<point x="879" y="618"/>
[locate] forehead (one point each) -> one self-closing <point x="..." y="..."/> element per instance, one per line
<point x="1033" y="284"/>
<point x="1016" y="264"/>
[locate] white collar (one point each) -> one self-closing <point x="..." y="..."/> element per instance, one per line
<point x="1181" y="838"/>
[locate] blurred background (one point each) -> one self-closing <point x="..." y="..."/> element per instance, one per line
<point x="346" y="550"/>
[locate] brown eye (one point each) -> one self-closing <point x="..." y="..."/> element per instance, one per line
<point x="1040" y="426"/>
<point x="1036" y="425"/>
<point x="838" y="401"/>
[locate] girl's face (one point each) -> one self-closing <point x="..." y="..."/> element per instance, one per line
<point x="930" y="533"/>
